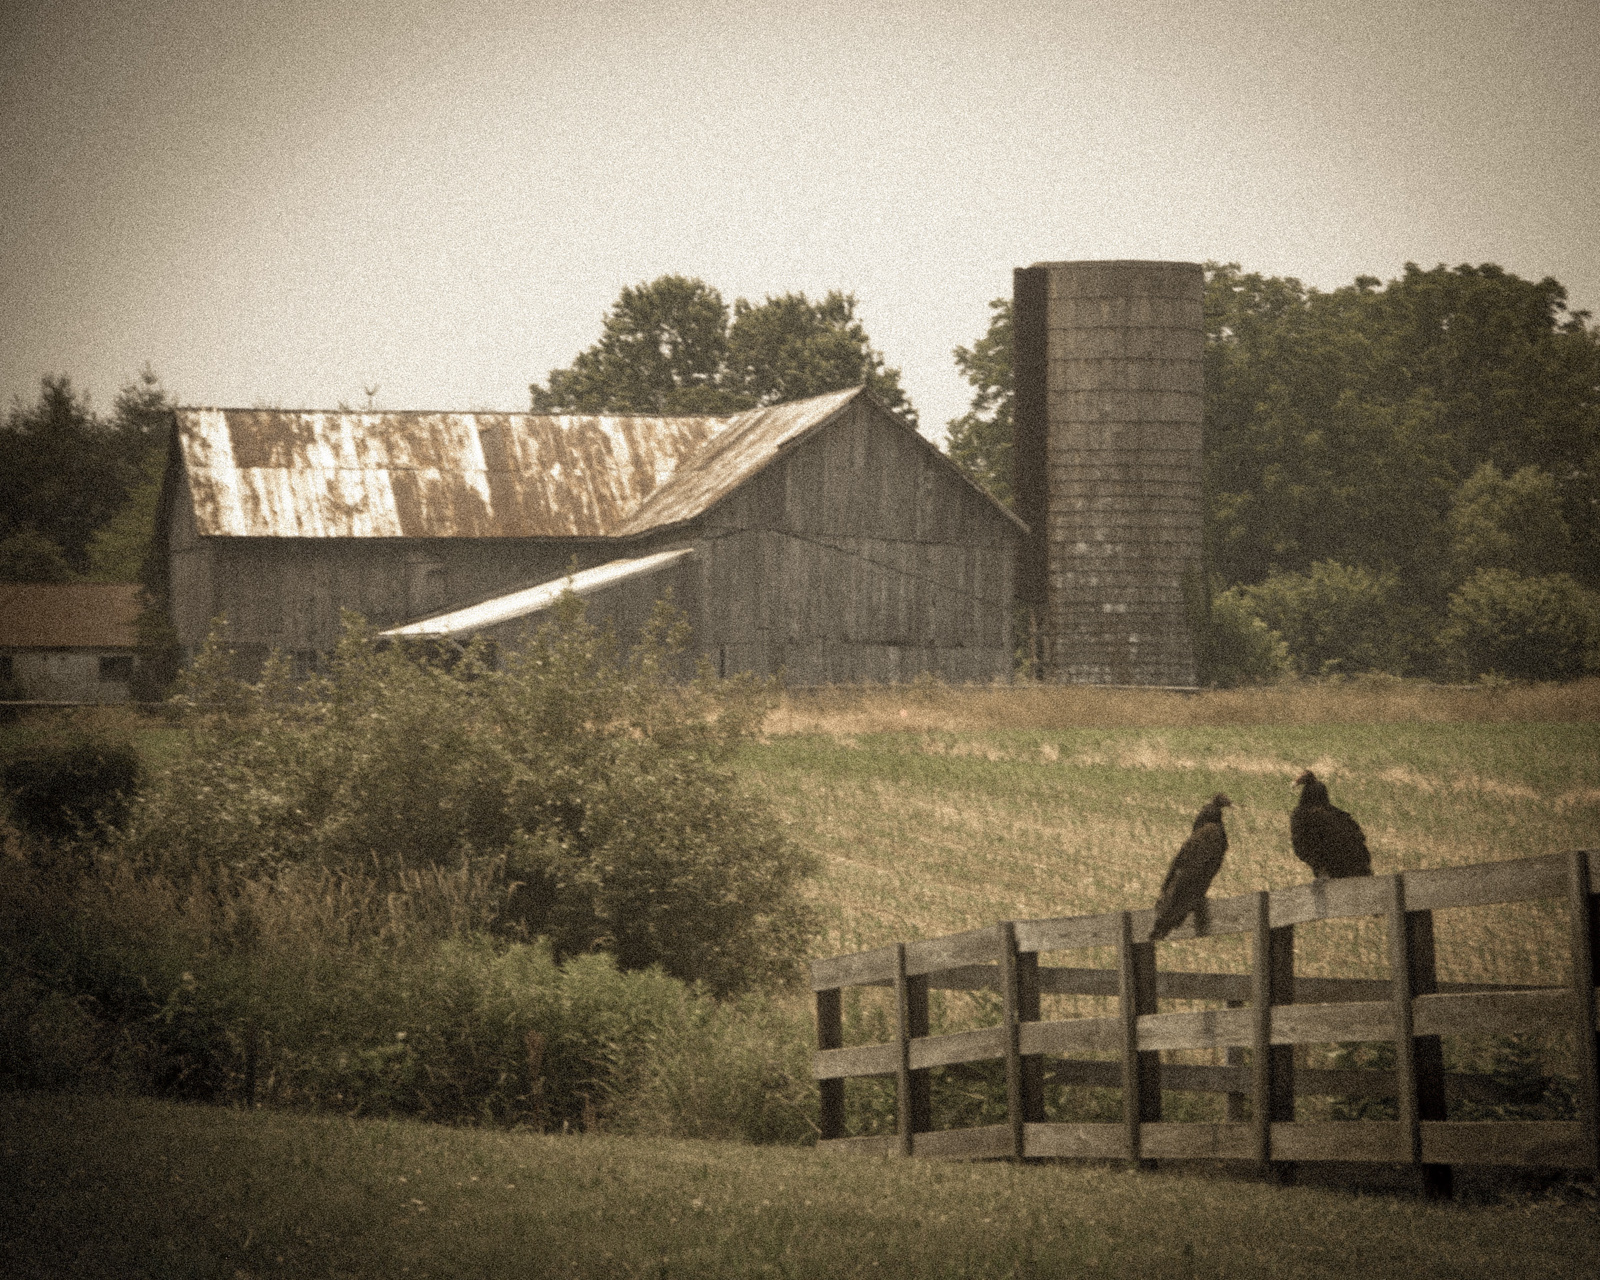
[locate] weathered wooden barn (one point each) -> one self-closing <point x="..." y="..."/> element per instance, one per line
<point x="824" y="539"/>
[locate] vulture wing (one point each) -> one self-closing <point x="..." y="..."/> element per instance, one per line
<point x="1329" y="841"/>
<point x="1189" y="877"/>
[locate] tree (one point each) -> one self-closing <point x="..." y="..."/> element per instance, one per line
<point x="68" y="477"/>
<point x="62" y="471"/>
<point x="790" y="348"/>
<point x="661" y="350"/>
<point x="1509" y="522"/>
<point x="668" y="347"/>
<point x="141" y="416"/>
<point x="979" y="441"/>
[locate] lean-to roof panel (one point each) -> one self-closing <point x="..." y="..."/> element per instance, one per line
<point x="751" y="441"/>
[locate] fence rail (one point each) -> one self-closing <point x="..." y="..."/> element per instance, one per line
<point x="1268" y="1011"/>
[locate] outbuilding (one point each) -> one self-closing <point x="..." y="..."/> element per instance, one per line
<point x="824" y="539"/>
<point x="67" y="641"/>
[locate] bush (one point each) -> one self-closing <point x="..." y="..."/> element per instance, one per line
<point x="70" y="782"/>
<point x="343" y="992"/>
<point x="1335" y="619"/>
<point x="1234" y="647"/>
<point x="600" y="788"/>
<point x="1502" y="623"/>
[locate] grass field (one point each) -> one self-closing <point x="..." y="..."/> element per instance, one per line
<point x="133" y="1188"/>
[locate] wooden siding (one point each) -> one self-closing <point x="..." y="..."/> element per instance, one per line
<point x="860" y="556"/>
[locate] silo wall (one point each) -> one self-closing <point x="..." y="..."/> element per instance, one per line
<point x="1116" y="428"/>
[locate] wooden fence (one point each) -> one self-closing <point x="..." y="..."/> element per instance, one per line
<point x="1268" y="1011"/>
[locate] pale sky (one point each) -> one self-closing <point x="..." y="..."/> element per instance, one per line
<point x="282" y="202"/>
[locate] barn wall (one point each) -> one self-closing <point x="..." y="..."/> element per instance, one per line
<point x="190" y="585"/>
<point x="861" y="556"/>
<point x="287" y="593"/>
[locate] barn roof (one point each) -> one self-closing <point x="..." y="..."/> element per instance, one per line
<point x="68" y="615"/>
<point x="531" y="600"/>
<point x="287" y="474"/>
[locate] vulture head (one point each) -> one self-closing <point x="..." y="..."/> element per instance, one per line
<point x="1315" y="790"/>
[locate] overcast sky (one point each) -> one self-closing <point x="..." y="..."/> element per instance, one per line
<point x="279" y="202"/>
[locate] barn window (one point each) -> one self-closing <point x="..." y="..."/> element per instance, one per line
<point x="116" y="667"/>
<point x="6" y="671"/>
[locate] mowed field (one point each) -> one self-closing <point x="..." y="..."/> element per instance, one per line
<point x="937" y="810"/>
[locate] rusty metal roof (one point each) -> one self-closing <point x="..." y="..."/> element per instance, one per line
<point x="270" y="473"/>
<point x="531" y="600"/>
<point x="68" y="615"/>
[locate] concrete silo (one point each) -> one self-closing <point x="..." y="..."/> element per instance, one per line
<point x="1107" y="458"/>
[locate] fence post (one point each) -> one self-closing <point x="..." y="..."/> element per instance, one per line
<point x="902" y="1075"/>
<point x="830" y="1035"/>
<point x="1020" y="991"/>
<point x="1419" y="1060"/>
<point x="1271" y="1066"/>
<point x="1141" y="1071"/>
<point x="912" y="1094"/>
<point x="1585" y="926"/>
<point x="1236" y="1058"/>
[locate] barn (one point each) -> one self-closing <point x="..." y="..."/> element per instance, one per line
<point x="824" y="539"/>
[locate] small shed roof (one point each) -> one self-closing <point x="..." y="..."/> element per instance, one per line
<point x="68" y="615"/>
<point x="531" y="600"/>
<point x="288" y="474"/>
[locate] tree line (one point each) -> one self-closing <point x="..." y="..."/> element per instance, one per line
<point x="1399" y="476"/>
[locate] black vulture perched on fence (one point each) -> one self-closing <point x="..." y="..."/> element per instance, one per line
<point x="1193" y="870"/>
<point x="1326" y="839"/>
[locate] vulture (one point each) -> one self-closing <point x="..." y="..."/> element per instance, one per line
<point x="1192" y="871"/>
<point x="1326" y="839"/>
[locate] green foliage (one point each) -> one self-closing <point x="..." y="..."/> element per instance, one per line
<point x="1545" y="628"/>
<point x="1339" y="424"/>
<point x="69" y="783"/>
<point x="65" y="473"/>
<point x="1234" y="647"/>
<point x="661" y="350"/>
<point x="1335" y="619"/>
<point x="979" y="441"/>
<point x="790" y="348"/>
<point x="28" y="556"/>
<point x="1508" y="522"/>
<point x="667" y="347"/>
<point x="342" y="992"/>
<point x="601" y="786"/>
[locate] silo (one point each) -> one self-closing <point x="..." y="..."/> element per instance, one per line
<point x="1107" y="457"/>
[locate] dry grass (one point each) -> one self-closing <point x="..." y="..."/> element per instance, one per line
<point x="1368" y="700"/>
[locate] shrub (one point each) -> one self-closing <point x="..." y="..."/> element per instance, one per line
<point x="1335" y="618"/>
<point x="1502" y="623"/>
<point x="340" y="991"/>
<point x="1235" y="647"/>
<point x="598" y="786"/>
<point x="69" y="782"/>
